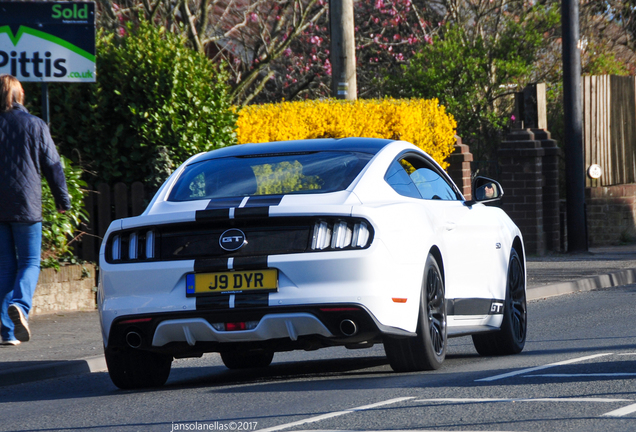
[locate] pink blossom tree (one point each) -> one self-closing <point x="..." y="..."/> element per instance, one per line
<point x="279" y="49"/>
<point x="388" y="33"/>
<point x="252" y="36"/>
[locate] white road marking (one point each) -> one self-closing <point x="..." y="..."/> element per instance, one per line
<point x="627" y="354"/>
<point x="629" y="409"/>
<point x="621" y="411"/>
<point x="335" y="414"/>
<point x="525" y="371"/>
<point x="618" y="374"/>
<point x="616" y="413"/>
<point x="490" y="400"/>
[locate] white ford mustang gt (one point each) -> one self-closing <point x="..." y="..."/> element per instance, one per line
<point x="259" y="248"/>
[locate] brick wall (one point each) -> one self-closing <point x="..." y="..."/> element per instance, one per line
<point x="521" y="162"/>
<point x="72" y="288"/>
<point x="550" y="192"/>
<point x="459" y="168"/>
<point x="611" y="214"/>
<point x="529" y="165"/>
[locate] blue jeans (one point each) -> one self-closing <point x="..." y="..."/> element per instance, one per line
<point x="20" y="245"/>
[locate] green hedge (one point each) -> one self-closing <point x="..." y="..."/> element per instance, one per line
<point x="155" y="103"/>
<point x="58" y="229"/>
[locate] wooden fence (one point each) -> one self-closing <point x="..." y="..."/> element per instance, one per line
<point x="609" y="131"/>
<point x="105" y="204"/>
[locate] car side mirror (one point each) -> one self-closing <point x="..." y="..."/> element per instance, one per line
<point x="485" y="190"/>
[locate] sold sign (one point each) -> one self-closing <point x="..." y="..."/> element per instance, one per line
<point x="48" y="41"/>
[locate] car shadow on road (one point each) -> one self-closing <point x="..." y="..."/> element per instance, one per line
<point x="375" y="372"/>
<point x="217" y="376"/>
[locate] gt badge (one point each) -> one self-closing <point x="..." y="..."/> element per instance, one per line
<point x="232" y="240"/>
<point x="496" y="308"/>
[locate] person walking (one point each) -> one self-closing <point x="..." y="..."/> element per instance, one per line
<point x="27" y="152"/>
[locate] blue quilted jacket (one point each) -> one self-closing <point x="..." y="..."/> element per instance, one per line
<point x="27" y="153"/>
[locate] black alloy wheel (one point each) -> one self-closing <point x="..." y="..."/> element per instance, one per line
<point x="436" y="311"/>
<point x="130" y="368"/>
<point x="511" y="338"/>
<point x="517" y="301"/>
<point x="427" y="350"/>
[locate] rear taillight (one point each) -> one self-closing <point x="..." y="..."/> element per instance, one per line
<point x="360" y="235"/>
<point x="115" y="252"/>
<point x="341" y="237"/>
<point x="150" y="244"/>
<point x="340" y="234"/>
<point x="132" y="245"/>
<point x="322" y="236"/>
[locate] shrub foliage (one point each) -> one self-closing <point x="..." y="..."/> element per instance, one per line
<point x="155" y="103"/>
<point x="475" y="73"/>
<point x="422" y="122"/>
<point x="58" y="229"/>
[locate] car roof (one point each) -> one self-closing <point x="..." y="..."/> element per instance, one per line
<point x="363" y="145"/>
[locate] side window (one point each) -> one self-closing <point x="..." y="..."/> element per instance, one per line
<point x="399" y="180"/>
<point x="428" y="183"/>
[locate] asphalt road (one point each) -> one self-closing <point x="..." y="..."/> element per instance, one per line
<point x="578" y="372"/>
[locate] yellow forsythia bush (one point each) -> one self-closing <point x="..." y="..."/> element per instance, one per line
<point x="422" y="122"/>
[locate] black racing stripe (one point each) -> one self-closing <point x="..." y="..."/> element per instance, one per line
<point x="215" y="302"/>
<point x="473" y="306"/>
<point x="210" y="265"/>
<point x="264" y="200"/>
<point x="223" y="203"/>
<point x="206" y="215"/>
<point x="251" y="300"/>
<point x="250" y="263"/>
<point x="450" y="306"/>
<point x="251" y="212"/>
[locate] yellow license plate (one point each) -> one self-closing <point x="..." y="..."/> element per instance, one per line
<point x="232" y="282"/>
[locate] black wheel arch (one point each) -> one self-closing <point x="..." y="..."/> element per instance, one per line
<point x="518" y="246"/>
<point x="440" y="261"/>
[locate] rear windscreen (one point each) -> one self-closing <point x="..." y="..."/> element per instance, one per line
<point x="314" y="172"/>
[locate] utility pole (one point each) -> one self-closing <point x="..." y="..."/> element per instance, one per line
<point x="343" y="50"/>
<point x="573" y="116"/>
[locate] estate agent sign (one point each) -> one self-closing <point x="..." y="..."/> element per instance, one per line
<point x="48" y="41"/>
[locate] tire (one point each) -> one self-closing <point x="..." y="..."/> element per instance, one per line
<point x="247" y="359"/>
<point x="427" y="350"/>
<point x="132" y="369"/>
<point x="511" y="338"/>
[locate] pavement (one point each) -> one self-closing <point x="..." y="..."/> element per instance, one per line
<point x="70" y="343"/>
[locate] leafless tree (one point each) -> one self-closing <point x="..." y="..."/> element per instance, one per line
<point x="249" y="34"/>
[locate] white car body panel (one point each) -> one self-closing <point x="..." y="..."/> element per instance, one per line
<point x="385" y="278"/>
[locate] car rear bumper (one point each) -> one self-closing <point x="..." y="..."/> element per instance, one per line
<point x="271" y="326"/>
<point x="274" y="328"/>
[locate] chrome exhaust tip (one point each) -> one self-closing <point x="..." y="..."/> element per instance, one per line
<point x="133" y="339"/>
<point x="348" y="327"/>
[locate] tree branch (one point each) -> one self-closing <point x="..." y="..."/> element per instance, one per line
<point x="258" y="88"/>
<point x="194" y="37"/>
